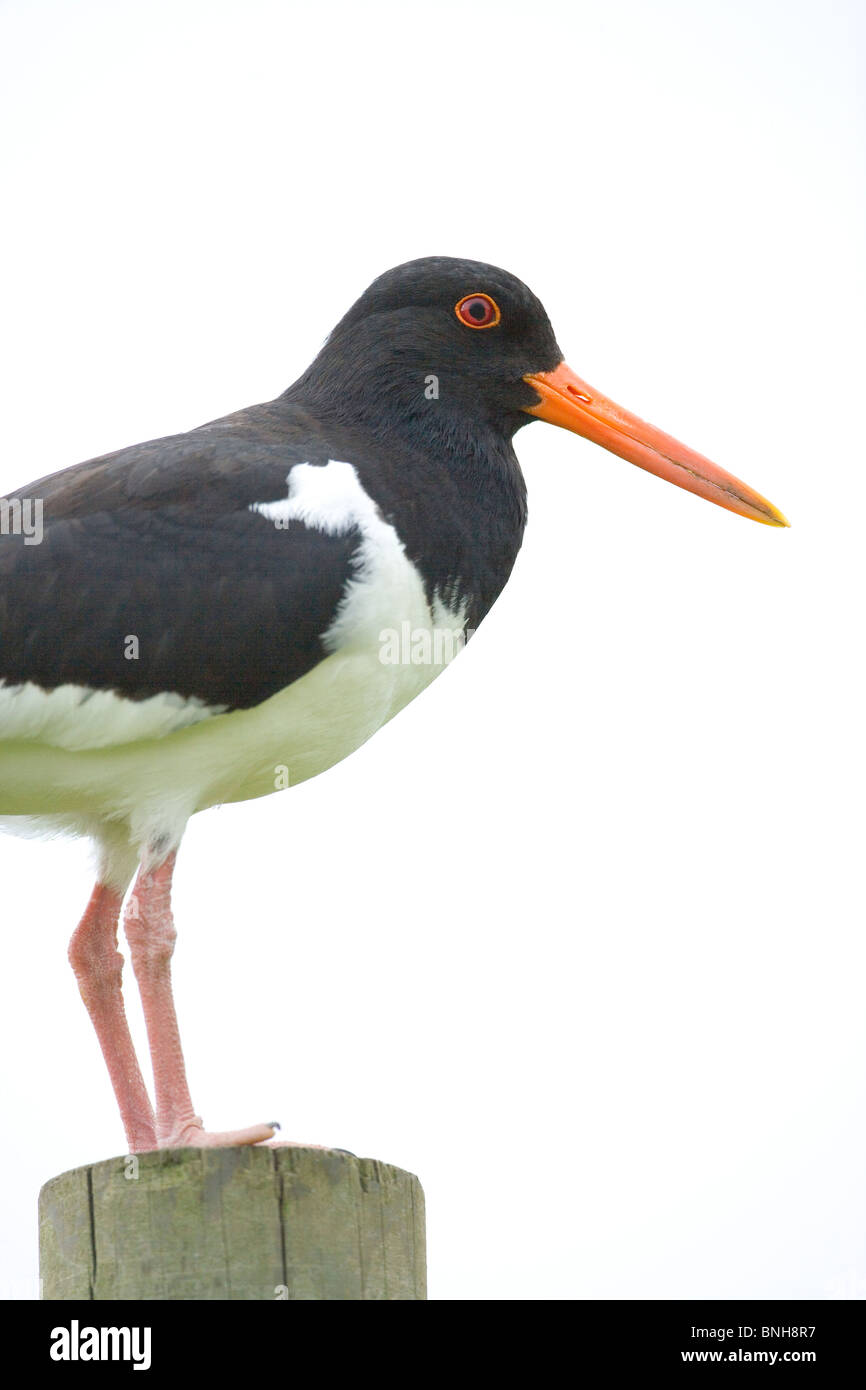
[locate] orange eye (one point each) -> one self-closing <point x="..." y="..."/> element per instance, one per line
<point x="478" y="311"/>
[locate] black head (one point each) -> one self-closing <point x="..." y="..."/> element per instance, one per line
<point x="461" y="354"/>
<point x="406" y="352"/>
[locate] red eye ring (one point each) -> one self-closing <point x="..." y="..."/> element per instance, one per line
<point x="478" y="311"/>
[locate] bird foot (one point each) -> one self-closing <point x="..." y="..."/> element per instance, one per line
<point x="194" y="1136"/>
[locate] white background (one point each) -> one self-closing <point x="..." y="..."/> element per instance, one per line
<point x="578" y="937"/>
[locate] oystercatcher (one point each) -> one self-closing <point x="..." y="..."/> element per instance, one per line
<point x="212" y="616"/>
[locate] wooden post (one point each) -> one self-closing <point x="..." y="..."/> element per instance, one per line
<point x="241" y="1223"/>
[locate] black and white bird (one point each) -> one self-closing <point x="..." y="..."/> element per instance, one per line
<point x="204" y="618"/>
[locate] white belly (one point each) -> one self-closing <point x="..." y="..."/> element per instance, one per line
<point x="294" y="735"/>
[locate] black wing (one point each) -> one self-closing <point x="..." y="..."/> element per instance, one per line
<point x="157" y="543"/>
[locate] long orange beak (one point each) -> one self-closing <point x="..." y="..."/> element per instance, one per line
<point x="569" y="402"/>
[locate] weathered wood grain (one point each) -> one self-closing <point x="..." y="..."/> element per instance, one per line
<point x="242" y="1223"/>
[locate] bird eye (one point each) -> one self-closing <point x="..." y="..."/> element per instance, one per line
<point x="477" y="311"/>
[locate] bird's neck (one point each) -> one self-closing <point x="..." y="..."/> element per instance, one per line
<point x="453" y="481"/>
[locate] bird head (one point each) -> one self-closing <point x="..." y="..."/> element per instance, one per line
<point x="443" y="340"/>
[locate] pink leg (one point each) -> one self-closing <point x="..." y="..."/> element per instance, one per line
<point x="97" y="963"/>
<point x="150" y="932"/>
